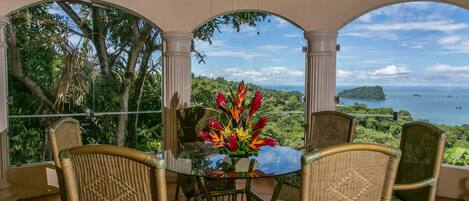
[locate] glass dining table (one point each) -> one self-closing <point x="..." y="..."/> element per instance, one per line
<point x="201" y="162"/>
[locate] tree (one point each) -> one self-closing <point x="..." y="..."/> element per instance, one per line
<point x="125" y="48"/>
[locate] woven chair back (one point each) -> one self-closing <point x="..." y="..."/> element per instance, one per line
<point x="422" y="146"/>
<point x="358" y="172"/>
<point x="63" y="134"/>
<point x="192" y="120"/>
<point x="105" y="172"/>
<point x="330" y="128"/>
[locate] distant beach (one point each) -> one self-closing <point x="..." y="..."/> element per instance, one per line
<point x="442" y="105"/>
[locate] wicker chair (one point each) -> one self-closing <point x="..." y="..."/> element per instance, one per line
<point x="190" y="121"/>
<point x="63" y="134"/>
<point x="106" y="172"/>
<point x="364" y="172"/>
<point x="328" y="128"/>
<point x="422" y="146"/>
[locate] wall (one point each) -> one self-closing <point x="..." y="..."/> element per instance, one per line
<point x="33" y="180"/>
<point x="454" y="182"/>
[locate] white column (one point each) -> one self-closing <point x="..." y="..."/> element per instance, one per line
<point x="5" y="194"/>
<point x="320" y="73"/>
<point x="176" y="82"/>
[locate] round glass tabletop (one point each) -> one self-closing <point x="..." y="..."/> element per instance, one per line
<point x="204" y="161"/>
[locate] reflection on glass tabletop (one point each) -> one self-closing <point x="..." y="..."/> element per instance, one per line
<point x="201" y="160"/>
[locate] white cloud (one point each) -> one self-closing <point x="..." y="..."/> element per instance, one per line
<point x="377" y="61"/>
<point x="202" y="45"/>
<point x="447" y="73"/>
<point x="271" y="47"/>
<point x="441" y="68"/>
<point x="366" y="18"/>
<point x="247" y="29"/>
<point x="449" y="40"/>
<point x="413" y="11"/>
<point x="244" y="29"/>
<point x="219" y="48"/>
<point x="455" y="44"/>
<point x="443" y="26"/>
<point x="440" y="74"/>
<point x="343" y="74"/>
<point x="358" y="34"/>
<point x="388" y="74"/>
<point x="298" y="49"/>
<point x="280" y="22"/>
<point x="279" y="75"/>
<point x="390" y="71"/>
<point x="414" y="45"/>
<point x="293" y="35"/>
<point x="387" y="22"/>
<point x="248" y="55"/>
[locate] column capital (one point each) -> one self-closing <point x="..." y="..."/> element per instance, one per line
<point x="321" y="42"/>
<point x="320" y="34"/>
<point x="177" y="43"/>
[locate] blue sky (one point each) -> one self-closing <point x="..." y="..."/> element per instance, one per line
<point x="422" y="44"/>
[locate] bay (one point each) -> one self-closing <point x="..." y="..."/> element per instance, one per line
<point x="441" y="105"/>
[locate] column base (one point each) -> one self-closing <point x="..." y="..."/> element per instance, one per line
<point x="7" y="195"/>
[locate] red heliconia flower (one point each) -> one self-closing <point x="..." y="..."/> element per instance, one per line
<point x="236" y="101"/>
<point x="204" y="136"/>
<point x="261" y="123"/>
<point x="270" y="142"/>
<point x="255" y="136"/>
<point x="215" y="124"/>
<point x="221" y="100"/>
<point x="232" y="144"/>
<point x="256" y="103"/>
<point x="242" y="91"/>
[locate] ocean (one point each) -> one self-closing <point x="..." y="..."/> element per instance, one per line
<point x="441" y="105"/>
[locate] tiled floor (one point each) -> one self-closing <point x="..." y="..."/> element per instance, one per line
<point x="262" y="187"/>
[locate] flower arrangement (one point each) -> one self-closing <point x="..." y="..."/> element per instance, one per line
<point x="235" y="134"/>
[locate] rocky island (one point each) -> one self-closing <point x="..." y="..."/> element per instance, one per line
<point x="364" y="93"/>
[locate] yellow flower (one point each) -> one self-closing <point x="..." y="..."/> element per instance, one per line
<point x="226" y="132"/>
<point x="242" y="134"/>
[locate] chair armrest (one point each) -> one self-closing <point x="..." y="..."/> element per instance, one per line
<point x="304" y="147"/>
<point x="301" y="148"/>
<point x="416" y="185"/>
